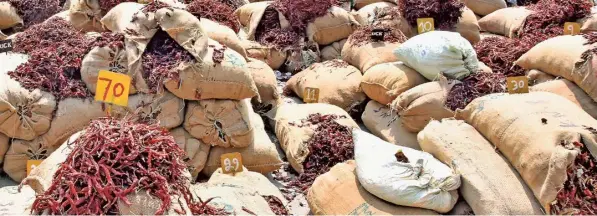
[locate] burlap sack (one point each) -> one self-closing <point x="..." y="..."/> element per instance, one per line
<point x="18" y="201"/>
<point x="562" y="57"/>
<point x="536" y="77"/>
<point x="222" y="123"/>
<point x="332" y="51"/>
<point x="165" y="108"/>
<point x="571" y="92"/>
<point x="274" y="58"/>
<point x="382" y="122"/>
<point x="505" y="21"/>
<point x="248" y="12"/>
<point x="293" y="138"/>
<point x="223" y="35"/>
<point x="366" y="15"/>
<point x="85" y="15"/>
<point x="24" y="114"/>
<point x="260" y="156"/>
<point x="103" y="58"/>
<point x="197" y="151"/>
<point x="358" y="4"/>
<point x="4" y="144"/>
<point x="119" y="18"/>
<point x="484" y="7"/>
<point x="338" y="83"/>
<point x="468" y="27"/>
<point x="15" y="160"/>
<point x="589" y="23"/>
<point x="267" y="84"/>
<point x="9" y="16"/>
<point x="384" y="82"/>
<point x="244" y="190"/>
<point x="534" y="131"/>
<point x="419" y="105"/>
<point x="338" y="192"/>
<point x="489" y="184"/>
<point x="336" y="25"/>
<point x="368" y="55"/>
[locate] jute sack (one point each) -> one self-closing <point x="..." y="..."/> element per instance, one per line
<point x="164" y="107"/>
<point x="15" y="160"/>
<point x="260" y="156"/>
<point x="337" y="81"/>
<point x="335" y="25"/>
<point x="332" y="51"/>
<point x="386" y="124"/>
<point x="9" y="16"/>
<point x="293" y="138"/>
<point x="338" y="192"/>
<point x="266" y="82"/>
<point x="533" y="126"/>
<point x="366" y="15"/>
<point x="384" y="82"/>
<point x="248" y="12"/>
<point x="20" y="200"/>
<point x="197" y="151"/>
<point x="589" y="23"/>
<point x="223" y="35"/>
<point x="103" y="58"/>
<point x="222" y="123"/>
<point x="368" y="55"/>
<point x="571" y="92"/>
<point x="24" y="114"/>
<point x="4" y="144"/>
<point x="118" y="18"/>
<point x="419" y="105"/>
<point x="274" y="58"/>
<point x="358" y="4"/>
<point x="468" y="26"/>
<point x="244" y="190"/>
<point x="562" y="56"/>
<point x="484" y="7"/>
<point x="505" y="21"/>
<point x="85" y="15"/>
<point x="489" y="184"/>
<point x="536" y="77"/>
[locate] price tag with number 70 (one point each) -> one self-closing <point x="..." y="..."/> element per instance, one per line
<point x="231" y="163"/>
<point x="31" y="164"/>
<point x="113" y="88"/>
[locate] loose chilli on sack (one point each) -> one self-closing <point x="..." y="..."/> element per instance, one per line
<point x="215" y="10"/>
<point x="107" y="158"/>
<point x="26" y="12"/>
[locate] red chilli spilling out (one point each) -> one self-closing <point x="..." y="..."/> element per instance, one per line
<point x="55" y="52"/>
<point x="276" y="205"/>
<point x="578" y="196"/>
<point x="330" y="144"/>
<point x="215" y="10"/>
<point x="475" y="86"/>
<point x="35" y="11"/>
<point x="548" y="18"/>
<point x="112" y="159"/>
<point x="300" y="13"/>
<point x="160" y="60"/>
<point x="445" y="13"/>
<point x="270" y="33"/>
<point x="500" y="53"/>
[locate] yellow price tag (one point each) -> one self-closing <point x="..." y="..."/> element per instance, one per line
<point x="311" y="95"/>
<point x="143" y="1"/>
<point x="519" y="84"/>
<point x="31" y="164"/>
<point x="571" y="28"/>
<point x="113" y="88"/>
<point x="231" y="163"/>
<point x="425" y="25"/>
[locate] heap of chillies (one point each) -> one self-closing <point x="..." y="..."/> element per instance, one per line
<point x="35" y="11"/>
<point x="114" y="158"/>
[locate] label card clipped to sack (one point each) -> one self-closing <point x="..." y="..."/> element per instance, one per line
<point x="31" y="164"/>
<point x="377" y="34"/>
<point x="571" y="28"/>
<point x="311" y="95"/>
<point x="517" y="85"/>
<point x="231" y="163"/>
<point x="5" y="45"/>
<point x="113" y="88"/>
<point x="425" y="25"/>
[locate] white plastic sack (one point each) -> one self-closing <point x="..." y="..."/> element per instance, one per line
<point x="438" y="52"/>
<point x="423" y="182"/>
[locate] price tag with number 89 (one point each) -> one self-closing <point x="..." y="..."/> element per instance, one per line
<point x="231" y="163"/>
<point x="113" y="88"/>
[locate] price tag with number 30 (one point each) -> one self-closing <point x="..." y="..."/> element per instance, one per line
<point x="519" y="84"/>
<point x="231" y="163"/>
<point x="113" y="88"/>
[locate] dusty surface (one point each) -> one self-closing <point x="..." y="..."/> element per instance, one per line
<point x="10" y="61"/>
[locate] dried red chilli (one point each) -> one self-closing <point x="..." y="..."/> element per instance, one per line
<point x="330" y="144"/>
<point x="337" y="63"/>
<point x="276" y="205"/>
<point x="215" y="10"/>
<point x="577" y="196"/>
<point x="160" y="60"/>
<point x="548" y="18"/>
<point x="270" y="33"/>
<point x="475" y="86"/>
<point x="112" y="159"/>
<point x="300" y="13"/>
<point x="35" y="11"/>
<point x="154" y="6"/>
<point x="445" y="13"/>
<point x="362" y="35"/>
<point x="500" y="53"/>
<point x="591" y="39"/>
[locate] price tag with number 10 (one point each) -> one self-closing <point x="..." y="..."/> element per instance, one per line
<point x="113" y="88"/>
<point x="425" y="25"/>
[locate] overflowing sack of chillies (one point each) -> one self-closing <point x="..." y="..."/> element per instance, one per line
<point x="24" y="13"/>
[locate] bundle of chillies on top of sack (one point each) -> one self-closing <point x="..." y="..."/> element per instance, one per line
<point x="111" y="162"/>
<point x="216" y="10"/>
<point x="27" y="12"/>
<point x="445" y="13"/>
